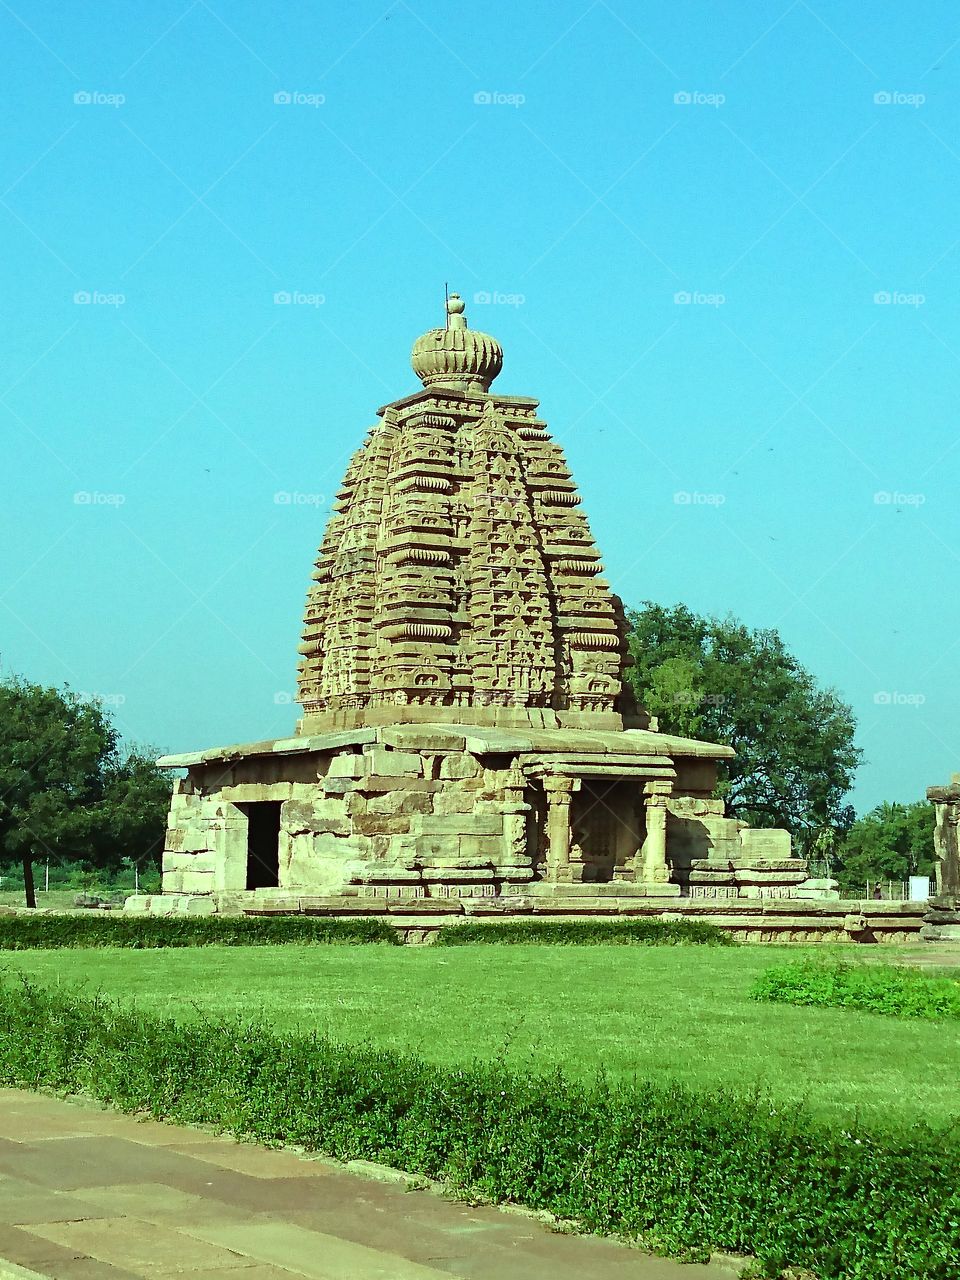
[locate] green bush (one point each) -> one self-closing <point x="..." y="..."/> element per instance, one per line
<point x="586" y="932"/>
<point x="24" y="932"/>
<point x="876" y="988"/>
<point x="681" y="1172"/>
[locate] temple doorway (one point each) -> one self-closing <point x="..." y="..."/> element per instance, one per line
<point x="263" y="844"/>
<point x="607" y="823"/>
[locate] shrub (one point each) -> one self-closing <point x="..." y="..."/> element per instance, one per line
<point x="584" y="932"/>
<point x="876" y="988"/>
<point x="24" y="932"/>
<point x="683" y="1173"/>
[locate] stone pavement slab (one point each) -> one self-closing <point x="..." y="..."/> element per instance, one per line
<point x="89" y="1194"/>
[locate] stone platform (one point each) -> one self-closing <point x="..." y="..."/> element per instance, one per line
<point x="770" y="920"/>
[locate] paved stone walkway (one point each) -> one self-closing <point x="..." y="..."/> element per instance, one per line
<point x="89" y="1194"/>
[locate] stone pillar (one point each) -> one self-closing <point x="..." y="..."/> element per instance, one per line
<point x="653" y="855"/>
<point x="942" y="921"/>
<point x="559" y="792"/>
<point x="517" y="863"/>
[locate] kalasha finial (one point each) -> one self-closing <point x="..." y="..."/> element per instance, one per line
<point x="455" y="309"/>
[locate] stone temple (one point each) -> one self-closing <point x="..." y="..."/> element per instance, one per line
<point x="467" y="732"/>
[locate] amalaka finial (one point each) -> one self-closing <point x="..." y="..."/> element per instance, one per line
<point x="456" y="357"/>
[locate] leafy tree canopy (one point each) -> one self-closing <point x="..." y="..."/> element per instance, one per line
<point x="891" y="842"/>
<point x="717" y="679"/>
<point x="68" y="790"/>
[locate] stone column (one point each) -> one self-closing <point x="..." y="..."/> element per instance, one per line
<point x="517" y="864"/>
<point x="653" y="855"/>
<point x="559" y="792"/>
<point x="942" y="921"/>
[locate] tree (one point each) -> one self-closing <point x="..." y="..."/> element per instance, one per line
<point x="68" y="790"/>
<point x="891" y="842"/>
<point x="717" y="679"/>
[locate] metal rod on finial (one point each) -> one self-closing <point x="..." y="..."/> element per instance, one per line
<point x="446" y="299"/>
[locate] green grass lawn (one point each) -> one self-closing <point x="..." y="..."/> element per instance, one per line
<point x="679" y="1013"/>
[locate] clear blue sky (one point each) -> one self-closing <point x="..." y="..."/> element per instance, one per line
<point x="782" y="196"/>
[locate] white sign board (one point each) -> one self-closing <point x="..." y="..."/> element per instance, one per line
<point x="919" y="888"/>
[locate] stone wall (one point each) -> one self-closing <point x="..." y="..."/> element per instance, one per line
<point x="427" y="812"/>
<point x="416" y="822"/>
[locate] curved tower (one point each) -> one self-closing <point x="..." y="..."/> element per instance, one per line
<point x="458" y="580"/>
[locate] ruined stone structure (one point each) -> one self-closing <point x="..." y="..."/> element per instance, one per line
<point x="466" y="733"/>
<point x="942" y="921"/>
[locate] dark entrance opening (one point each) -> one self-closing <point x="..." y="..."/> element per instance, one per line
<point x="263" y="844"/>
<point x="607" y="822"/>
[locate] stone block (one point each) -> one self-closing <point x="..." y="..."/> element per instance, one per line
<point x="761" y="876"/>
<point x="455" y="800"/>
<point x="400" y="801"/>
<point x="490" y="847"/>
<point x="461" y="765"/>
<point x="339" y="786"/>
<point x="442" y="847"/>
<point x="459" y="824"/>
<point x="196" y="882"/>
<point x="187" y="862"/>
<point x="464" y="862"/>
<point x="331" y="827"/>
<point x="414" y="738"/>
<point x="189" y="840"/>
<point x="385" y="873"/>
<point x="328" y="807"/>
<point x="424" y="906"/>
<point x="138" y="904"/>
<point x="337" y="846"/>
<point x="761" y="846"/>
<point x="378" y="824"/>
<point x="376" y="783"/>
<point x="389" y="764"/>
<point x="164" y="904"/>
<point x="255" y="792"/>
<point x="458" y="875"/>
<point x="348" y="765"/>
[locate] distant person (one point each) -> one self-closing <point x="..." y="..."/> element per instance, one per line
<point x="877" y="892"/>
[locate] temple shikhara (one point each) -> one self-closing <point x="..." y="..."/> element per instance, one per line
<point x="467" y="735"/>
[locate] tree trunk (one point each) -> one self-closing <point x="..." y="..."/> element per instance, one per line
<point x="28" y="887"/>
